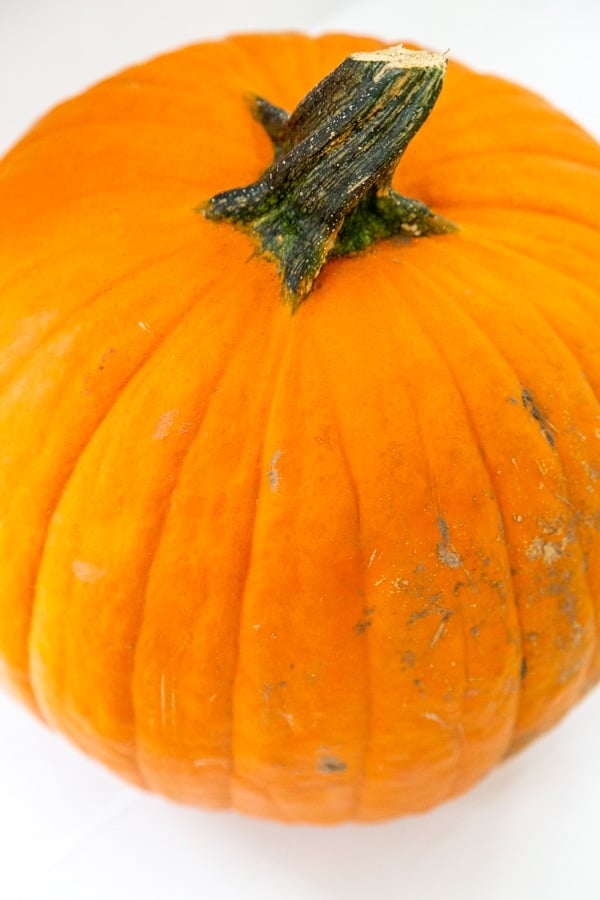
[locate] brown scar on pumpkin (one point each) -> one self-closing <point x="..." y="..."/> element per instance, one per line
<point x="546" y="427"/>
<point x="330" y="764"/>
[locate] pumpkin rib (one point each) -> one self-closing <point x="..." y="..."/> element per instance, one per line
<point x="517" y="152"/>
<point x="573" y="138"/>
<point x="575" y="199"/>
<point x="277" y="75"/>
<point x="458" y="730"/>
<point x="45" y="261"/>
<point x="511" y="249"/>
<point x="59" y="493"/>
<point x="217" y="282"/>
<point x="235" y="774"/>
<point x="589" y="601"/>
<point x="500" y="97"/>
<point x="505" y="207"/>
<point x="502" y="238"/>
<point x="573" y="355"/>
<point x="59" y="325"/>
<point x="107" y="125"/>
<point x="162" y="516"/>
<point x="380" y="755"/>
<point x="167" y="504"/>
<point x="23" y="653"/>
<point x="360" y="782"/>
<point x="68" y="202"/>
<point x="22" y="274"/>
<point x="478" y="441"/>
<point x="128" y="77"/>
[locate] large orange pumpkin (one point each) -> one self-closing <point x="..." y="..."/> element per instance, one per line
<point x="316" y="565"/>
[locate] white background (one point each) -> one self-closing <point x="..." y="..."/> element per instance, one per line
<point x="68" y="829"/>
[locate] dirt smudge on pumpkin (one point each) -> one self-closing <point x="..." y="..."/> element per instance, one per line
<point x="408" y="660"/>
<point x="87" y="572"/>
<point x="365" y="621"/>
<point x="446" y="551"/>
<point x="552" y="542"/>
<point x="523" y="671"/>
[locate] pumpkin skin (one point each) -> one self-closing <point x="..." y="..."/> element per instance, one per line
<point x="324" y="566"/>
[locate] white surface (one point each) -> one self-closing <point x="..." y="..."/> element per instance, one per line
<point x="70" y="830"/>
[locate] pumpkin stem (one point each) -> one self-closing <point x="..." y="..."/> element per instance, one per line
<point x="328" y="191"/>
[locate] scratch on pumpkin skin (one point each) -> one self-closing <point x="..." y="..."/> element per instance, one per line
<point x="273" y="474"/>
<point x="212" y="762"/>
<point x="440" y="629"/>
<point x="163" y="699"/>
<point x="433" y="717"/>
<point x="87" y="572"/>
<point x="167" y="703"/>
<point x="164" y="425"/>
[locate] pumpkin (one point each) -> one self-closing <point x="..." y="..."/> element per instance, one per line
<point x="302" y="520"/>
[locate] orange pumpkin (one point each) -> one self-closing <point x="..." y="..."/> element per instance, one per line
<point x="323" y="565"/>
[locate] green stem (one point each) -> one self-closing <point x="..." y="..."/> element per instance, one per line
<point x="328" y="191"/>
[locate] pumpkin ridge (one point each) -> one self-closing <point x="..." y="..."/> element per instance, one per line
<point x="127" y="77"/>
<point x="74" y="312"/>
<point x="573" y="355"/>
<point x="26" y="272"/>
<point x="499" y="95"/>
<point x="168" y="181"/>
<point x="63" y="486"/>
<point x="29" y="573"/>
<point x="588" y="599"/>
<point x="503" y="516"/>
<point x="508" y="207"/>
<point x="239" y="43"/>
<point x="511" y="249"/>
<point x="520" y="152"/>
<point x="360" y="781"/>
<point x="459" y="607"/>
<point x="106" y="125"/>
<point x="261" y="782"/>
<point x="167" y="501"/>
<point x="503" y="239"/>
